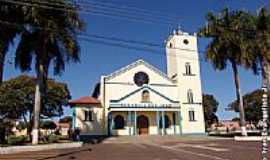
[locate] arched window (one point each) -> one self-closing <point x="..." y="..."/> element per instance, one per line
<point x="145" y="96"/>
<point x="170" y="45"/>
<point x="119" y="122"/>
<point x="191" y="114"/>
<point x="167" y="122"/>
<point x="188" y="68"/>
<point x="190" y="96"/>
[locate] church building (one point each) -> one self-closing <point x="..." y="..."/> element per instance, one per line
<point x="140" y="99"/>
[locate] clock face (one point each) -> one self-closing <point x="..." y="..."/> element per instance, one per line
<point x="141" y="78"/>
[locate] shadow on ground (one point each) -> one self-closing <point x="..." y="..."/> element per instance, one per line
<point x="91" y="139"/>
<point x="67" y="154"/>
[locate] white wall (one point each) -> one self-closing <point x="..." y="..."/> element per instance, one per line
<point x="123" y="84"/>
<point x="180" y="54"/>
<point x="89" y="127"/>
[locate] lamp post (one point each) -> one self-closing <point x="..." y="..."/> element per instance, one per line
<point x="265" y="118"/>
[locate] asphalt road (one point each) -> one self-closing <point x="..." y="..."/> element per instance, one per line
<point x="146" y="148"/>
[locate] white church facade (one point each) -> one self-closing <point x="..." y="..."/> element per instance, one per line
<point x="140" y="99"/>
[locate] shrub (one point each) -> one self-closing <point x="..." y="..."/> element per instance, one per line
<point x="16" y="140"/>
<point x="48" y="124"/>
<point x="57" y="132"/>
<point x="53" y="138"/>
<point x="21" y="126"/>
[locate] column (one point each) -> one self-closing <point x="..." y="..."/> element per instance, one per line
<point x="74" y="117"/>
<point x="157" y="122"/>
<point x="180" y="122"/>
<point x="111" y="123"/>
<point x="135" y="123"/>
<point x="174" y="123"/>
<point x="163" y="122"/>
<point x="129" y="122"/>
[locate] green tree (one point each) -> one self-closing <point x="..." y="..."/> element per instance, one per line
<point x="226" y="46"/>
<point x="50" y="38"/>
<point x="253" y="103"/>
<point x="21" y="125"/>
<point x="5" y="129"/>
<point x="17" y="99"/>
<point x="210" y="106"/>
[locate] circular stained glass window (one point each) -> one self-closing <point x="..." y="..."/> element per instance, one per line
<point x="141" y="78"/>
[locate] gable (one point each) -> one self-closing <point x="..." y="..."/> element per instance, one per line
<point x="135" y="97"/>
<point x="126" y="74"/>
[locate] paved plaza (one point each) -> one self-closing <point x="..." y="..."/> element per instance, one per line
<point x="151" y="148"/>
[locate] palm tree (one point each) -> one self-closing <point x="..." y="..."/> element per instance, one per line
<point x="227" y="46"/>
<point x="49" y="36"/>
<point x="10" y="14"/>
<point x="259" y="45"/>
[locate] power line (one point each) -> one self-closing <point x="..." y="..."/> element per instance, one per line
<point x="149" y="44"/>
<point x="122" y="40"/>
<point x="119" y="42"/>
<point x="92" y="4"/>
<point x="126" y="46"/>
<point x="108" y="6"/>
<point x="108" y="13"/>
<point x="65" y="9"/>
<point x="71" y="10"/>
<point x="89" y="39"/>
<point x="130" y="9"/>
<point x="155" y="12"/>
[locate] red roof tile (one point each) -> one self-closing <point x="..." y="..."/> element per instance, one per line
<point x="85" y="100"/>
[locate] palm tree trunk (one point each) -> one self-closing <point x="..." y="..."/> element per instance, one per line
<point x="37" y="107"/>
<point x="240" y="99"/>
<point x="2" y="63"/>
<point x="30" y="126"/>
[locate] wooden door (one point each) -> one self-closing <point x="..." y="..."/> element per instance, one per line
<point x="143" y="124"/>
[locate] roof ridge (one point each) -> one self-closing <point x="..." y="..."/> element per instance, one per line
<point x="134" y="64"/>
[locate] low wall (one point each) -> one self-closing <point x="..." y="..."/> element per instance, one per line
<point x="17" y="149"/>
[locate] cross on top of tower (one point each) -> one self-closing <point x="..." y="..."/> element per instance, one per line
<point x="179" y="31"/>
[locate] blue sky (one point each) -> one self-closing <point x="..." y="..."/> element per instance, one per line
<point x="98" y="59"/>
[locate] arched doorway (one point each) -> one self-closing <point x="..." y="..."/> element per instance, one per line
<point x="142" y="124"/>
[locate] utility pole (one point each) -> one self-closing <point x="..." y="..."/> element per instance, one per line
<point x="265" y="119"/>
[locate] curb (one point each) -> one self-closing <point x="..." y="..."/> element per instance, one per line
<point x="250" y="138"/>
<point x="17" y="149"/>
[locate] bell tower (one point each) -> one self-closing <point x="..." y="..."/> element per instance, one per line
<point x="184" y="68"/>
<point x="181" y="48"/>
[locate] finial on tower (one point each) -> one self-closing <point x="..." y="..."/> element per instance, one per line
<point x="179" y="30"/>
